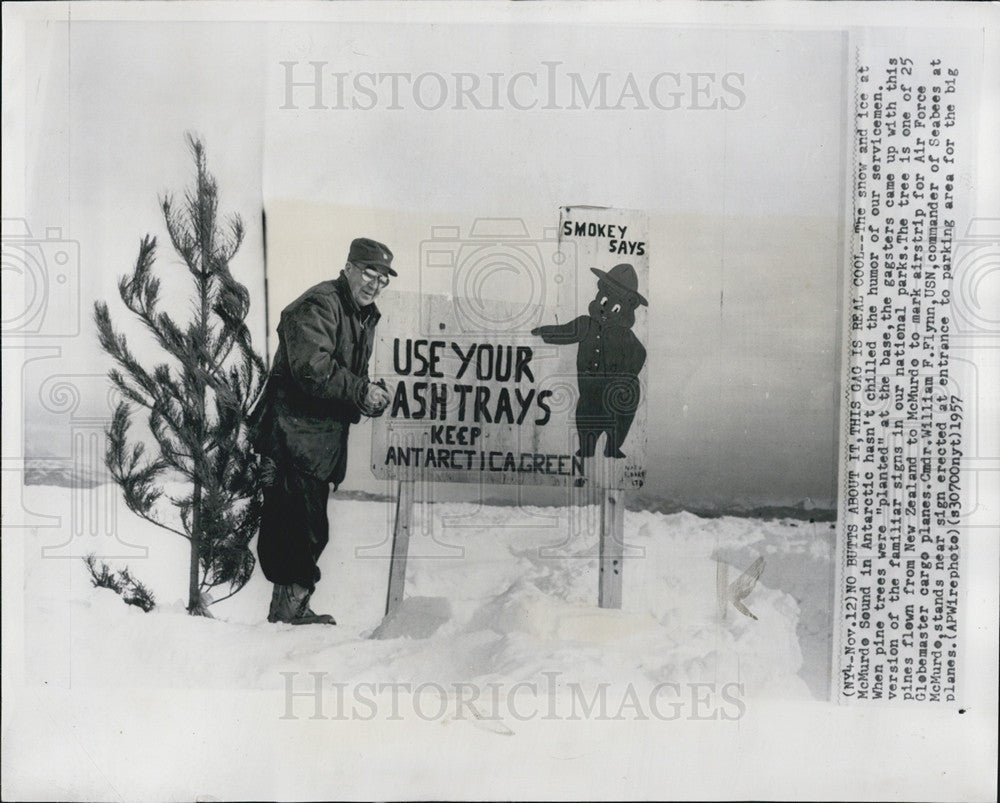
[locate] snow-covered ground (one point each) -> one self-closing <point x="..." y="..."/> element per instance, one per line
<point x="493" y="595"/>
<point x="499" y="678"/>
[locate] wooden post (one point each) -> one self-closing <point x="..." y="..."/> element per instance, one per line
<point x="400" y="545"/>
<point x="722" y="587"/>
<point x="612" y="547"/>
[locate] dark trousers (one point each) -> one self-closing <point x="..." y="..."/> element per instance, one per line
<point x="293" y="528"/>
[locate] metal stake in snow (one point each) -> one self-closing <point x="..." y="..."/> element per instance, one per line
<point x="734" y="593"/>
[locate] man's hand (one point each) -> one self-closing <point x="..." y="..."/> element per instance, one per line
<point x="376" y="399"/>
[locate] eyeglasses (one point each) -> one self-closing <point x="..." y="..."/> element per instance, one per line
<point x="372" y="276"/>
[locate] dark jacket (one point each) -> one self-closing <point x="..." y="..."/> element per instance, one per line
<point x="318" y="381"/>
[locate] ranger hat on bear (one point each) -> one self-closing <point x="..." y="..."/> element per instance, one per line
<point x="623" y="279"/>
<point x="371" y="253"/>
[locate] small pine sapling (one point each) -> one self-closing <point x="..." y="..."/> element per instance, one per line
<point x="197" y="400"/>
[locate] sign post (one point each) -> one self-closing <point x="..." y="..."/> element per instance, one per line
<point x="524" y="365"/>
<point x="612" y="549"/>
<point x="400" y="545"/>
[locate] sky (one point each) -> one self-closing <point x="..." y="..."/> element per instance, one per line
<point x="744" y="207"/>
<point x="744" y="203"/>
<point x="105" y="120"/>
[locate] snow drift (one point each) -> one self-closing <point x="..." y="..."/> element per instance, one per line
<point x="494" y="595"/>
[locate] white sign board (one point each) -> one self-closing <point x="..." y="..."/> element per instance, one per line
<point x="546" y="387"/>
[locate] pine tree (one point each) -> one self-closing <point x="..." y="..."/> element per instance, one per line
<point x="132" y="591"/>
<point x="197" y="401"/>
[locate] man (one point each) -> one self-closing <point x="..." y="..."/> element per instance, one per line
<point x="317" y="388"/>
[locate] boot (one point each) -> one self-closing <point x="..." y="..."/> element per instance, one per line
<point x="290" y="604"/>
<point x="308" y="616"/>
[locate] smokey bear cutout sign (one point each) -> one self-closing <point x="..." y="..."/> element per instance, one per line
<point x="540" y="379"/>
<point x="522" y="361"/>
<point x="608" y="360"/>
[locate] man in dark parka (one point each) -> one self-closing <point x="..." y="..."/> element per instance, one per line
<point x="317" y="388"/>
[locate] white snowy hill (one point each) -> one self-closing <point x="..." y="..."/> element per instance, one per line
<point x="494" y="595"/>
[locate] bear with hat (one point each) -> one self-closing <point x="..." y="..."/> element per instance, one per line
<point x="608" y="360"/>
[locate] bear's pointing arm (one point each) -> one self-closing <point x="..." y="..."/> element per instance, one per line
<point x="562" y="333"/>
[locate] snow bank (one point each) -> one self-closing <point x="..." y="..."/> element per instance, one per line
<point x="494" y="594"/>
